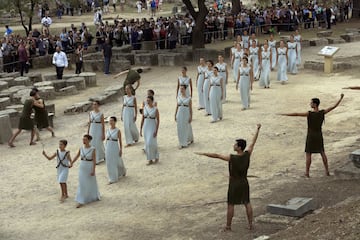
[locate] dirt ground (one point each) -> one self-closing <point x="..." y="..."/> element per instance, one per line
<point x="184" y="196"/>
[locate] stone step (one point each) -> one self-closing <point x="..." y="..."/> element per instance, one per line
<point x="14" y="116"/>
<point x="44" y="84"/>
<point x="4" y="102"/>
<point x="22" y="81"/>
<point x="49" y="76"/>
<point x="12" y="74"/>
<point x="78" y="82"/>
<point x="66" y="91"/>
<point x="47" y="92"/>
<point x="9" y="80"/>
<point x="3" y="85"/>
<point x="17" y="107"/>
<point x="58" y="84"/>
<point x="295" y="207"/>
<point x="90" y="78"/>
<point x="78" y="108"/>
<point x="6" y="131"/>
<point x="106" y="97"/>
<point x="70" y="75"/>
<point x="322" y="34"/>
<point x="34" y="77"/>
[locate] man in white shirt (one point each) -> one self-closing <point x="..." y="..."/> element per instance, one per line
<point x="60" y="61"/>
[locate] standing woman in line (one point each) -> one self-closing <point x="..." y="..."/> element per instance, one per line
<point x="150" y="121"/>
<point x="292" y="55"/>
<point x="114" y="163"/>
<point x="216" y="95"/>
<point x="254" y="52"/>
<point x="266" y="62"/>
<point x="223" y="72"/>
<point x="232" y="52"/>
<point x="245" y="82"/>
<point x="206" y="85"/>
<point x="183" y="118"/>
<point x="236" y="59"/>
<point x="129" y="114"/>
<point x="97" y="131"/>
<point x="88" y="188"/>
<point x="281" y="62"/>
<point x="298" y="39"/>
<point x="200" y="81"/>
<point x="184" y="79"/>
<point x="272" y="46"/>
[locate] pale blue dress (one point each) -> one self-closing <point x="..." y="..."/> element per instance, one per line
<point x="151" y="146"/>
<point x="184" y="81"/>
<point x="184" y="129"/>
<point x="88" y="188"/>
<point x="208" y="74"/>
<point x="297" y="39"/>
<point x="200" y="81"/>
<point x="254" y="59"/>
<point x="95" y="132"/>
<point x="244" y="86"/>
<point x="282" y="68"/>
<point x="266" y="68"/>
<point x="292" y="65"/>
<point x="237" y="60"/>
<point x="215" y="97"/>
<point x="222" y="73"/>
<point x="272" y="46"/>
<point x="114" y="163"/>
<point x="130" y="129"/>
<point x="62" y="165"/>
<point x="246" y="43"/>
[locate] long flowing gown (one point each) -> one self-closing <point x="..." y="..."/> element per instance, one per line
<point x="265" y="69"/>
<point x="222" y="73"/>
<point x="272" y="46"/>
<point x="297" y="39"/>
<point x="200" y="81"/>
<point x="184" y="129"/>
<point x="246" y="40"/>
<point x="254" y="59"/>
<point x="95" y="132"/>
<point x="215" y="97"/>
<point x="282" y="62"/>
<point x="208" y="74"/>
<point x="184" y="81"/>
<point x="292" y="65"/>
<point x="130" y="129"/>
<point x="245" y="86"/>
<point x="88" y="188"/>
<point x="238" y="56"/>
<point x="62" y="166"/>
<point x="151" y="146"/>
<point x="114" y="163"/>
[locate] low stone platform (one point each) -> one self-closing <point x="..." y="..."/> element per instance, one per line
<point x="355" y="158"/>
<point x="4" y="102"/>
<point x="334" y="40"/>
<point x="295" y="207"/>
<point x="323" y="34"/>
<point x="14" y="116"/>
<point x="318" y="41"/>
<point x="12" y="74"/>
<point x="66" y="91"/>
<point x="6" y="93"/>
<point x="78" y="108"/>
<point x="319" y="66"/>
<point x="351" y="37"/>
<point x="9" y="80"/>
<point x="34" y="77"/>
<point x="149" y="59"/>
<point x="90" y="78"/>
<point x="70" y="75"/>
<point x="3" y="85"/>
<point x="17" y="107"/>
<point x="58" y="84"/>
<point x="47" y="92"/>
<point x="6" y="131"/>
<point x="352" y="30"/>
<point x="78" y="82"/>
<point x="49" y="76"/>
<point x="171" y="59"/>
<point x="43" y="84"/>
<point x="22" y="81"/>
<point x="106" y="97"/>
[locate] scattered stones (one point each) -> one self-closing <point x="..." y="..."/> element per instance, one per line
<point x="90" y="78"/>
<point x="66" y="91"/>
<point x="14" y="116"/>
<point x="78" y="108"/>
<point x="295" y="207"/>
<point x="7" y="93"/>
<point x="5" y="126"/>
<point x="35" y="77"/>
<point x="351" y="37"/>
<point x="355" y="158"/>
<point x="318" y="42"/>
<point x="9" y="80"/>
<point x="22" y="81"/>
<point x="107" y="97"/>
<point x="49" y="77"/>
<point x="44" y="84"/>
<point x="171" y="59"/>
<point x="78" y="82"/>
<point x="334" y="40"/>
<point x="149" y="59"/>
<point x="323" y="34"/>
<point x="4" y="102"/>
<point x="3" y="85"/>
<point x="21" y="95"/>
<point x="47" y="92"/>
<point x="58" y="84"/>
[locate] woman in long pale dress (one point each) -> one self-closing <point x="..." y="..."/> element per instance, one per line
<point x="272" y="46"/>
<point x="216" y="95"/>
<point x="129" y="114"/>
<point x="235" y="61"/>
<point x="200" y="81"/>
<point x="281" y="60"/>
<point x="232" y="52"/>
<point x="245" y="82"/>
<point x="88" y="188"/>
<point x="298" y="39"/>
<point x="97" y="131"/>
<point x="292" y="55"/>
<point x="254" y="58"/>
<point x="246" y="40"/>
<point x="184" y="79"/>
<point x="208" y="74"/>
<point x="183" y="118"/>
<point x="266" y="60"/>
<point x="223" y="72"/>
<point x="150" y="121"/>
<point x="113" y="152"/>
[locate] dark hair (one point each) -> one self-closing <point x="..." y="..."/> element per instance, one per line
<point x="210" y="61"/>
<point x="217" y="69"/>
<point x="151" y="91"/>
<point x="139" y="70"/>
<point x="241" y="143"/>
<point x="184" y="68"/>
<point x="35" y="89"/>
<point x="151" y="98"/>
<point x="89" y="137"/>
<point x="97" y="101"/>
<point x="63" y="141"/>
<point x="114" y="118"/>
<point x="316" y="101"/>
<point x="32" y="93"/>
<point x="183" y="85"/>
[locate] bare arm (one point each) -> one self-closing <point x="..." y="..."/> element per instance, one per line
<point x="39" y="103"/>
<point x="120" y="143"/>
<point x="49" y="157"/>
<point x="157" y="122"/>
<point x="191" y="88"/>
<point x="137" y="84"/>
<point x="215" y="155"/>
<point x="295" y="114"/>
<point x="251" y="147"/>
<point x="190" y="108"/>
<point x="336" y="104"/>
<point x="135" y="106"/>
<point x="89" y="123"/>
<point x="141" y="124"/>
<point x="121" y="73"/>
<point x="76" y="157"/>
<point x="353" y="88"/>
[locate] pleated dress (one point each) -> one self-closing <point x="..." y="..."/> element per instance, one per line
<point x="265" y="69"/>
<point x="184" y="129"/>
<point x="114" y="163"/>
<point x="95" y="131"/>
<point x="272" y="46"/>
<point x="254" y="59"/>
<point x="297" y="39"/>
<point x="244" y="86"/>
<point x="151" y="146"/>
<point x="282" y="65"/>
<point x="215" y="97"/>
<point x="130" y="129"/>
<point x="222" y="73"/>
<point x="292" y="62"/>
<point x="200" y="81"/>
<point x="237" y="61"/>
<point x="208" y="74"/>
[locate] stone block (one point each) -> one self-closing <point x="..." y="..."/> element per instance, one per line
<point x="49" y="76"/>
<point x="14" y="116"/>
<point x="21" y="95"/>
<point x="34" y="77"/>
<point x="208" y="54"/>
<point x="318" y="42"/>
<point x="50" y="108"/>
<point x="186" y="52"/>
<point x="128" y="56"/>
<point x="78" y="82"/>
<point x="149" y="59"/>
<point x="42" y="61"/>
<point x="122" y="49"/>
<point x="335" y="40"/>
<point x="323" y="34"/>
<point x="9" y="80"/>
<point x="17" y="107"/>
<point x="148" y="45"/>
<point x="43" y="84"/>
<point x="355" y="38"/>
<point x="352" y="30"/>
<point x="107" y="97"/>
<point x="90" y="78"/>
<point x="348" y="171"/>
<point x="59" y="84"/>
<point x="355" y="158"/>
<point x="4" y="102"/>
<point x="51" y="119"/>
<point x="6" y="131"/>
<point x="22" y="81"/>
<point x="171" y="59"/>
<point x="78" y="108"/>
<point x="70" y="75"/>
<point x="285" y="38"/>
<point x="305" y="43"/>
<point x="66" y="91"/>
<point x="116" y="88"/>
<point x="47" y="92"/>
<point x="12" y="74"/>
<point x="4" y="85"/>
<point x="295" y="207"/>
<point x="6" y="93"/>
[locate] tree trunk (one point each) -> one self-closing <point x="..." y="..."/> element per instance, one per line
<point x="236" y="7"/>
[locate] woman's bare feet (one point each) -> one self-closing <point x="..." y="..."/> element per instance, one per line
<point x="11" y="145"/>
<point x="32" y="143"/>
<point x="156" y="160"/>
<point x="128" y="145"/>
<point x="52" y="134"/>
<point x="149" y="163"/>
<point x="79" y="205"/>
<point x="226" y="229"/>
